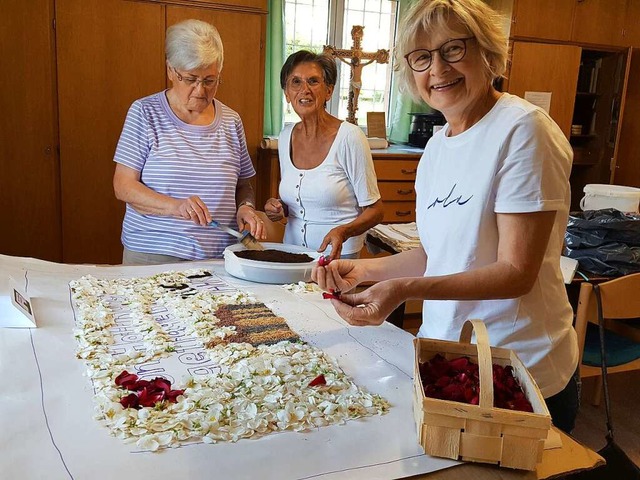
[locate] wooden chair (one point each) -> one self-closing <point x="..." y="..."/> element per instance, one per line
<point x="620" y="301"/>
<point x="275" y="230"/>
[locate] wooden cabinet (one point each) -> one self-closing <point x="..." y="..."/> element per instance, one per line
<point x="396" y="172"/>
<point x="551" y="68"/>
<point x="626" y="169"/>
<point x="395" y="168"/>
<point x="632" y="24"/>
<point x="109" y="53"/>
<point x="588" y="89"/>
<point x="97" y="82"/>
<point x="548" y="19"/>
<point x="599" y="22"/>
<point x="29" y="182"/>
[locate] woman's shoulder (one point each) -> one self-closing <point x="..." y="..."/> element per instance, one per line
<point x="349" y="133"/>
<point x="227" y="112"/>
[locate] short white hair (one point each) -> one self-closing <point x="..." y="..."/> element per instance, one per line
<point x="193" y="44"/>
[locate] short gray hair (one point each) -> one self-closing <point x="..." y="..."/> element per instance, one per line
<point x="480" y="20"/>
<point x="193" y="44"/>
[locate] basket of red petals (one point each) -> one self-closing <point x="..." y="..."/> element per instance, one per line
<point x="477" y="403"/>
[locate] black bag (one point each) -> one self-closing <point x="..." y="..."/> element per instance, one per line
<point x="593" y="228"/>
<point x="604" y="242"/>
<point x="619" y="466"/>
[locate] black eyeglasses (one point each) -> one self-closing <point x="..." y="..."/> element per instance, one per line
<point x="207" y="83"/>
<point x="451" y="51"/>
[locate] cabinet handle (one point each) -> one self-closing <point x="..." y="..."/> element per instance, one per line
<point x="405" y="192"/>
<point x="403" y="213"/>
<point x="408" y="172"/>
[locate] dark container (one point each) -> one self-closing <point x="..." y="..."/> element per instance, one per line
<point x="422" y="127"/>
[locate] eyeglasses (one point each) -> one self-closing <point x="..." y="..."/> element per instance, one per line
<point x="296" y="83"/>
<point x="193" y="82"/>
<point x="451" y="51"/>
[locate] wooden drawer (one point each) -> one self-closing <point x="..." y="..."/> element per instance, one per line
<point x="396" y="169"/>
<point x="397" y="191"/>
<point x="399" y="212"/>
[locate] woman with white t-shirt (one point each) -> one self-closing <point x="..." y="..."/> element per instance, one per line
<point x="182" y="160"/>
<point x="328" y="187"/>
<point x="492" y="204"/>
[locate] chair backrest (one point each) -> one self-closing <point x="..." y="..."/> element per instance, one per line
<point x="620" y="300"/>
<point x="621" y="297"/>
<point x="275" y="230"/>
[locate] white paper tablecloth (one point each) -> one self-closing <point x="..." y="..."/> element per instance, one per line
<point x="46" y="406"/>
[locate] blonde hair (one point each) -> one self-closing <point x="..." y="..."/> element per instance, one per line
<point x="193" y="44"/>
<point x="426" y="16"/>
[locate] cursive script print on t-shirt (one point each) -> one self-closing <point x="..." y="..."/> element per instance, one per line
<point x="450" y="199"/>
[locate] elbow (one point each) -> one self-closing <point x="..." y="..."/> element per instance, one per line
<point x="118" y="190"/>
<point x="521" y="284"/>
<point x="379" y="213"/>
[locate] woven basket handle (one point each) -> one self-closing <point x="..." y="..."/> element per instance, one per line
<point x="485" y="364"/>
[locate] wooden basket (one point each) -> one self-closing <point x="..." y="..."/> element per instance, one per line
<point x="480" y="433"/>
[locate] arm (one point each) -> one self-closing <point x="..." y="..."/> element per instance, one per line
<point x="371" y="216"/>
<point x="129" y="189"/>
<point x="246" y="214"/>
<point x="522" y="243"/>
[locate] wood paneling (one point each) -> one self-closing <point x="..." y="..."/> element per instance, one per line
<point x="110" y="53"/>
<point x="29" y="182"/>
<point x="242" y="86"/>
<point x="549" y="19"/>
<point x="632" y="24"/>
<point x="547" y="68"/>
<point x="627" y="168"/>
<point x="599" y="22"/>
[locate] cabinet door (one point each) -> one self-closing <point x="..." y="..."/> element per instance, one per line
<point x="242" y="87"/>
<point x="110" y="52"/>
<point x="632" y="24"/>
<point x="548" y="19"/>
<point x="29" y="182"/>
<point x="599" y="22"/>
<point x="626" y="166"/>
<point x="541" y="67"/>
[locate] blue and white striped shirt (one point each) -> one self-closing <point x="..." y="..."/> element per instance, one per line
<point x="180" y="160"/>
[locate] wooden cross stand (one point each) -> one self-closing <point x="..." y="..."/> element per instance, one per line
<point x="354" y="58"/>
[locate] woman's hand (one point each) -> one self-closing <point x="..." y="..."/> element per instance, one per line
<point x="372" y="306"/>
<point x="275" y="209"/>
<point x="335" y="237"/>
<point x="248" y="219"/>
<point x="194" y="209"/>
<point x="338" y="275"/>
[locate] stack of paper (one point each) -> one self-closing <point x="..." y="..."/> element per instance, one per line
<point x="400" y="236"/>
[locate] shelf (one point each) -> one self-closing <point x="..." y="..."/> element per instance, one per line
<point x="583" y="156"/>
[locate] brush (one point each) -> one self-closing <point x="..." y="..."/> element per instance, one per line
<point x="245" y="237"/>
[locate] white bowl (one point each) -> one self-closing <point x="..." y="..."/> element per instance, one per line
<point x="269" y="272"/>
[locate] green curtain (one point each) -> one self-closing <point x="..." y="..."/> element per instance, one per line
<point x="273" y="63"/>
<point x="402" y="104"/>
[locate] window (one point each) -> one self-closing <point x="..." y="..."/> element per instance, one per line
<point x="311" y="24"/>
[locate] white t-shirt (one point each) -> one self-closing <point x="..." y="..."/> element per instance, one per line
<point x="330" y="194"/>
<point x="514" y="160"/>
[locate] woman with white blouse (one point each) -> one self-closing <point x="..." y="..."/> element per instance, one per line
<point x="328" y="188"/>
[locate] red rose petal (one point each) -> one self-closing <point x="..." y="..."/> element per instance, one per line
<point x="126" y="378"/>
<point x="130" y="401"/>
<point x="319" y="380"/>
<point x="332" y="294"/>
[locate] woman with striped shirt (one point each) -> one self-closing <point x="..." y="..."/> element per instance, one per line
<point x="182" y="160"/>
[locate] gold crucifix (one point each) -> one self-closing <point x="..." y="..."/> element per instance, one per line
<point x="353" y="57"/>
